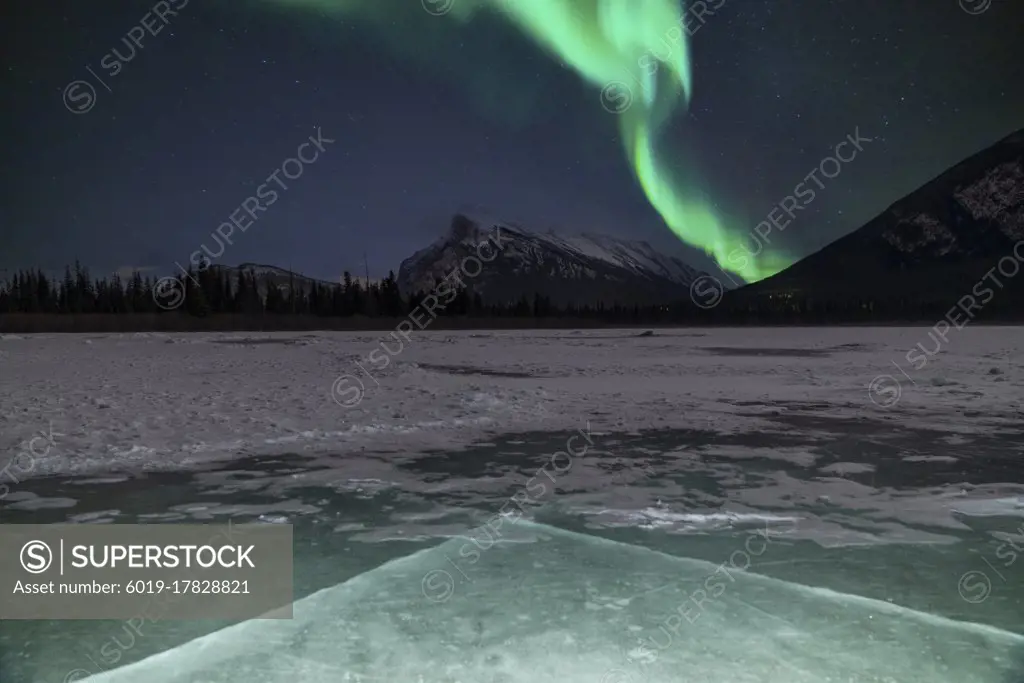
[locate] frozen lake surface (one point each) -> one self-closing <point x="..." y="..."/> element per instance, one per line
<point x="738" y="505"/>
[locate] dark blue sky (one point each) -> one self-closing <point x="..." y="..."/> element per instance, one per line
<point x="218" y="99"/>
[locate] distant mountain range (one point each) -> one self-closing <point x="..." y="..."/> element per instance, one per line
<point x="266" y="275"/>
<point x="933" y="245"/>
<point x="585" y="269"/>
<point x="582" y="269"/>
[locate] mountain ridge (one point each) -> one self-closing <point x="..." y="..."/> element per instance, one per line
<point x="578" y="269"/>
<point x="938" y="238"/>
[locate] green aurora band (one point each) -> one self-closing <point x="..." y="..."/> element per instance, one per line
<point x="618" y="46"/>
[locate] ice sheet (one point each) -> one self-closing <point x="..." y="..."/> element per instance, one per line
<point x="568" y="608"/>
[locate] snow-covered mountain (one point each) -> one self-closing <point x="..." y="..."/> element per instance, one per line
<point x="282" y="278"/>
<point x="581" y="269"/>
<point x="934" y="244"/>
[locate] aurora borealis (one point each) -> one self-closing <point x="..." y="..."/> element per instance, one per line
<point x="635" y="54"/>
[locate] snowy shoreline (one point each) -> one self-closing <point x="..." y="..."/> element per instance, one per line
<point x="190" y="326"/>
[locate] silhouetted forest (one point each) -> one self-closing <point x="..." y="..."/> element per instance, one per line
<point x="233" y="299"/>
<point x="220" y="291"/>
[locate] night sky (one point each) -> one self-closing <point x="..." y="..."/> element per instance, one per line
<point x="429" y="115"/>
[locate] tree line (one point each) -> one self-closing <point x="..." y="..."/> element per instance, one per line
<point x="264" y="300"/>
<point x="220" y="291"/>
